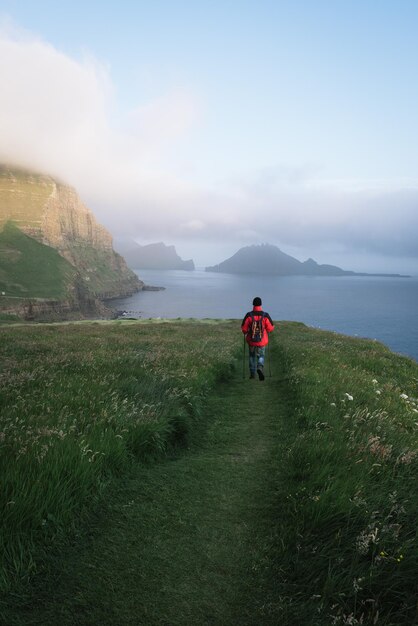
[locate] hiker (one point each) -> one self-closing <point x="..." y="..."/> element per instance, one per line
<point x="256" y="325"/>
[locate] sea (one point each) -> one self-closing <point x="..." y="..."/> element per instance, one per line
<point x="374" y="307"/>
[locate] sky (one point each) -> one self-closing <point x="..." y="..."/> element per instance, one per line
<point x="214" y="124"/>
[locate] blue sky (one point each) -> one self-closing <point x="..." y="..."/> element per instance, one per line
<point x="305" y="111"/>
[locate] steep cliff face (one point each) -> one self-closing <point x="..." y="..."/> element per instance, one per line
<point x="70" y="227"/>
<point x="53" y="214"/>
<point x="67" y="221"/>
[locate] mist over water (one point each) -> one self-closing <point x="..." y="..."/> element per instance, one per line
<point x="376" y="308"/>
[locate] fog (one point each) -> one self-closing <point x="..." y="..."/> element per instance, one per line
<point x="134" y="168"/>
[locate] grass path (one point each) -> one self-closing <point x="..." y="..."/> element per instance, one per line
<point x="187" y="540"/>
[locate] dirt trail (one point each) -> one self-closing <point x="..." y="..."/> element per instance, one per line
<point x="188" y="540"/>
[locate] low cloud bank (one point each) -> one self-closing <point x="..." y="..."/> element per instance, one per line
<point x="61" y="116"/>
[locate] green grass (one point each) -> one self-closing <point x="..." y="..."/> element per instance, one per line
<point x="184" y="541"/>
<point x="348" y="507"/>
<point x="29" y="269"/>
<point x="6" y="318"/>
<point x="79" y="404"/>
<point x="101" y="269"/>
<point x="292" y="501"/>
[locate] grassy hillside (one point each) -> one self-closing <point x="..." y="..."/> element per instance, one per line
<point x="30" y="269"/>
<point x="347" y="505"/>
<point x="328" y="530"/>
<point x="79" y="403"/>
<point x="102" y="275"/>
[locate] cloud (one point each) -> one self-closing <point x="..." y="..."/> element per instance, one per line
<point x="62" y="115"/>
<point x="165" y="119"/>
<point x="194" y="226"/>
<point x="301" y="210"/>
<point x="53" y="109"/>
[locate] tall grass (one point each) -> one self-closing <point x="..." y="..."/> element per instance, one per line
<point x="78" y="405"/>
<point x="348" y="500"/>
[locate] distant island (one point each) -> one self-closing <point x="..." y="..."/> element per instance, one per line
<point x="154" y="256"/>
<point x="269" y="259"/>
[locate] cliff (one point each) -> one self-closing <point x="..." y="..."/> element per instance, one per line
<point x="51" y="213"/>
<point x="154" y="256"/>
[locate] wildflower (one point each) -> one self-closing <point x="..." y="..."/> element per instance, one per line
<point x="403" y="396"/>
<point x="366" y="538"/>
<point x="348" y="396"/>
<point x="378" y="392"/>
<point x="374" y="381"/>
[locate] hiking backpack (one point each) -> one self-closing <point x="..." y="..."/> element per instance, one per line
<point x="256" y="330"/>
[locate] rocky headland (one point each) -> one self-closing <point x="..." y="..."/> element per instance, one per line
<point x="154" y="256"/>
<point x="39" y="215"/>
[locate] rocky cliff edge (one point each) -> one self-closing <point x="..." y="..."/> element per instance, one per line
<point x="53" y="214"/>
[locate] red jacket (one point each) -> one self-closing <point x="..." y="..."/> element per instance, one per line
<point x="268" y="326"/>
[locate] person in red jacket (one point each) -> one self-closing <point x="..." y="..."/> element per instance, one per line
<point x="256" y="325"/>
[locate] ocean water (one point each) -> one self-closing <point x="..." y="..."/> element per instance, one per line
<point x="379" y="308"/>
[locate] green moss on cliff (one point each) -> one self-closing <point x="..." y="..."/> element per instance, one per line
<point x="103" y="271"/>
<point x="29" y="269"/>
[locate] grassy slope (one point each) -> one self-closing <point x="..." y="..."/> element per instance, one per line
<point x="79" y="404"/>
<point x="297" y="506"/>
<point x="349" y="507"/>
<point x="186" y="541"/>
<point x="99" y="270"/>
<point x="29" y="269"/>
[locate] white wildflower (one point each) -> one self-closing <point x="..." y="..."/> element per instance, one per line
<point x="348" y="396"/>
<point x="366" y="538"/>
<point x="403" y="396"/>
<point x="374" y="381"/>
<point x="378" y="392"/>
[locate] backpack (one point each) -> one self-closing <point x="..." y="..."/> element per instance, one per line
<point x="256" y="330"/>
